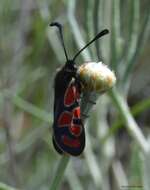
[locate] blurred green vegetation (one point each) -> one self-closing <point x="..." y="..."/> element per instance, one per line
<point x="30" y="53"/>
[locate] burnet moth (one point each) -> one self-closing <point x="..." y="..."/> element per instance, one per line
<point x="68" y="129"/>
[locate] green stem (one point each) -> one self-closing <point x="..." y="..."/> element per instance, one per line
<point x="137" y="46"/>
<point x="133" y="39"/>
<point x="30" y="108"/>
<point x="6" y="187"/>
<point x="74" y="184"/>
<point x="131" y="125"/>
<point x="59" y="172"/>
<point x="115" y="33"/>
<point x="90" y="27"/>
<point x="25" y="106"/>
<point x="75" y="29"/>
<point x="92" y="163"/>
<point x="96" y="26"/>
<point x="135" y="110"/>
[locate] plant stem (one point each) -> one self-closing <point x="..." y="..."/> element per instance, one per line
<point x="7" y="111"/>
<point x="115" y="33"/>
<point x="75" y="29"/>
<point x="135" y="110"/>
<point x="60" y="172"/>
<point x="6" y="187"/>
<point x="92" y="163"/>
<point x="25" y="106"/>
<point x="129" y="120"/>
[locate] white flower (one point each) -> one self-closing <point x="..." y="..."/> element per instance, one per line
<point x="96" y="76"/>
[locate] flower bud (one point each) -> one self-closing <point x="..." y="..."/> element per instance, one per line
<point x="96" y="77"/>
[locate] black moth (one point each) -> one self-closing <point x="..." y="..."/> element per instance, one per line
<point x="68" y="130"/>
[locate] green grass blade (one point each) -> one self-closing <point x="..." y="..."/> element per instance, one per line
<point x="59" y="172"/>
<point x="135" y="110"/>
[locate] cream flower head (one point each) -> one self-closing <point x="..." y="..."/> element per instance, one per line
<point x="96" y="77"/>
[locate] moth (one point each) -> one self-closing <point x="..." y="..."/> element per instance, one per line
<point x="68" y="129"/>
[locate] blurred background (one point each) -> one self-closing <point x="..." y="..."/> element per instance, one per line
<point x="30" y="53"/>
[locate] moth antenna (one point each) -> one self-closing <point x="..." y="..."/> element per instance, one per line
<point x="59" y="26"/>
<point x="99" y="35"/>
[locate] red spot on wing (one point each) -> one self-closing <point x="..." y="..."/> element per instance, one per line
<point x="76" y="130"/>
<point x="77" y="112"/>
<point x="73" y="143"/>
<point x="71" y="95"/>
<point x="65" y="119"/>
<point x="69" y="98"/>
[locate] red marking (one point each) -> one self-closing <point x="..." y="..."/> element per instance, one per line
<point x="76" y="112"/>
<point x="65" y="119"/>
<point x="73" y="143"/>
<point x="76" y="130"/>
<point x="69" y="98"/>
<point x="71" y="95"/>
